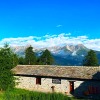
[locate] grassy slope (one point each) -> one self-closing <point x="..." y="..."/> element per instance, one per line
<point x="19" y="94"/>
<point x="1" y="95"/>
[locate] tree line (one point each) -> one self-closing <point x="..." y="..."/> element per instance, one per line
<point x="31" y="58"/>
<point x="46" y="58"/>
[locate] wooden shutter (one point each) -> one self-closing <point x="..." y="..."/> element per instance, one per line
<point x="38" y="81"/>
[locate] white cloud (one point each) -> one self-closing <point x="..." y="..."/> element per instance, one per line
<point x="59" y="26"/>
<point x="52" y="40"/>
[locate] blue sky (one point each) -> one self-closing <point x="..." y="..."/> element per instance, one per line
<point x="25" y="18"/>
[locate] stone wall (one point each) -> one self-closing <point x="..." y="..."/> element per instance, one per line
<point x="29" y="83"/>
<point x="80" y="87"/>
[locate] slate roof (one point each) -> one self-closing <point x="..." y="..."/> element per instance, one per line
<point x="78" y="72"/>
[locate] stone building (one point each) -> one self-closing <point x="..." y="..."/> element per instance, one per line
<point x="65" y="79"/>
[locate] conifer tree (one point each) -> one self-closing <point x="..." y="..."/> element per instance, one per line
<point x="15" y="59"/>
<point x="21" y="60"/>
<point x="6" y="64"/>
<point x="46" y="58"/>
<point x="90" y="59"/>
<point x="30" y="57"/>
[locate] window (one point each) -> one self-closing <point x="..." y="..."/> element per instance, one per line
<point x="56" y="81"/>
<point x="38" y="81"/>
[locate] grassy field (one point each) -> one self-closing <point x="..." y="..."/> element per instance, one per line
<point x="19" y="94"/>
<point x="1" y="95"/>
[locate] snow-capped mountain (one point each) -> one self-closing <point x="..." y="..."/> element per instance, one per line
<point x="63" y="55"/>
<point x="70" y="54"/>
<point x="72" y="50"/>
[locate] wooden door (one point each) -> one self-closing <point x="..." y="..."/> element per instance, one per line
<point x="71" y="86"/>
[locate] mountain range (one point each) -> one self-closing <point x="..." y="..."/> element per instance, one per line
<point x="69" y="55"/>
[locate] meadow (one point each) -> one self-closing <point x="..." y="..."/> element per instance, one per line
<point x="20" y="94"/>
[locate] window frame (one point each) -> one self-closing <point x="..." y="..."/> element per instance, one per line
<point x="56" y="80"/>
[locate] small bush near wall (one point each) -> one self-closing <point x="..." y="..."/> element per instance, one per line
<point x="19" y="94"/>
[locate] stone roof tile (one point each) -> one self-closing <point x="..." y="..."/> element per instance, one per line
<point x="58" y="71"/>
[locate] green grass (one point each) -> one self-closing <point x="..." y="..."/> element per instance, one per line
<point x="20" y="94"/>
<point x="1" y="95"/>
